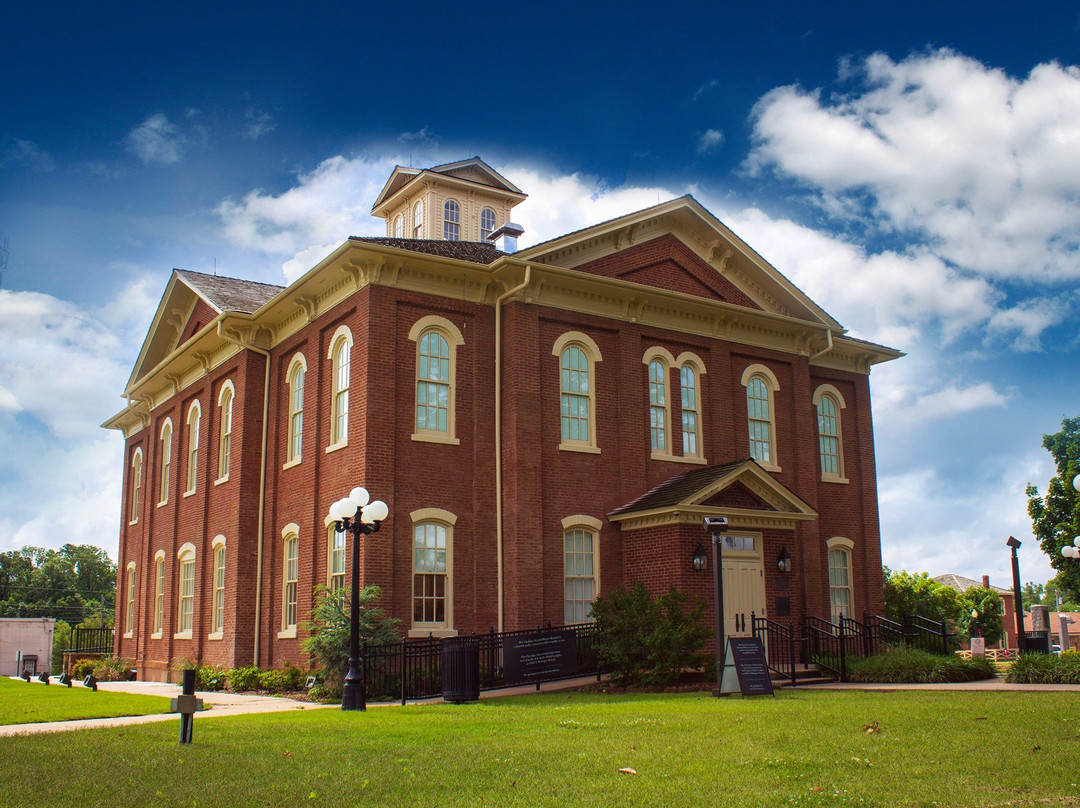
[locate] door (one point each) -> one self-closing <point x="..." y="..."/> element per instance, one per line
<point x="744" y="594"/>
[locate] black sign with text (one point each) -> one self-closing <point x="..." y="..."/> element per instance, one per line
<point x="544" y="655"/>
<point x="746" y="659"/>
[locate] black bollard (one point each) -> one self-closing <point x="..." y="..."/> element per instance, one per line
<point x="186" y="704"/>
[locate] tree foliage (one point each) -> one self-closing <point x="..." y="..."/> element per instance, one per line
<point x="987" y="602"/>
<point x="328" y="642"/>
<point x="908" y="594"/>
<point x="69" y="584"/>
<point x="1055" y="517"/>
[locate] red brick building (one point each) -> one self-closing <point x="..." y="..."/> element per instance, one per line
<point x="545" y="425"/>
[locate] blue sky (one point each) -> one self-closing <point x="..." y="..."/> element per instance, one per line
<point x="914" y="167"/>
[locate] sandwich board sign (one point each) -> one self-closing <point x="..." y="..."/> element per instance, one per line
<point x="745" y="668"/>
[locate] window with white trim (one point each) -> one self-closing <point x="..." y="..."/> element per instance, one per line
<point x="691" y="428"/>
<point x="166" y="460"/>
<point x="217" y="615"/>
<point x="437" y="340"/>
<point x="295" y="379"/>
<point x="658" y="407"/>
<point x="840" y="590"/>
<point x="290" y="581"/>
<point x="578" y="355"/>
<point x="581" y="536"/>
<point x="828" y="403"/>
<point x="399" y="226"/>
<point x="225" y="422"/>
<point x="136" y="484"/>
<point x="487" y="223"/>
<point x="340" y="349"/>
<point x="193" y="419"/>
<point x="418" y="220"/>
<point x="129" y="617"/>
<point x="159" y="593"/>
<point x="761" y="383"/>
<point x="432" y="589"/>
<point x="451" y="221"/>
<point x="335" y="558"/>
<point x="185" y="612"/>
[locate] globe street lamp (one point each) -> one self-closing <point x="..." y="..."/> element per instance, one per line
<point x="1073" y="550"/>
<point x="344" y="516"/>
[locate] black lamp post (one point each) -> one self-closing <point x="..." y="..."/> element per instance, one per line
<point x="716" y="526"/>
<point x="343" y="514"/>
<point x="1018" y="602"/>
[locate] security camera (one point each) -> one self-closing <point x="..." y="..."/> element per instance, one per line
<point x="714" y="524"/>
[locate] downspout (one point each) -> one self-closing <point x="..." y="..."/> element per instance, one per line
<point x="498" y="438"/>
<point x="828" y="346"/>
<point x="262" y="482"/>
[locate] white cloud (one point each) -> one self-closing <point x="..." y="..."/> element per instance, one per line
<point x="258" y="123"/>
<point x="983" y="167"/>
<point x="709" y="140"/>
<point x="28" y="154"/>
<point x="8" y="402"/>
<point x="156" y="140"/>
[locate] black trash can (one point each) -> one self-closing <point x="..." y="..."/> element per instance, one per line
<point x="460" y="669"/>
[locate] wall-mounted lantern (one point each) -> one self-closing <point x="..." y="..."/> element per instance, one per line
<point x="701" y="559"/>
<point x="783" y="563"/>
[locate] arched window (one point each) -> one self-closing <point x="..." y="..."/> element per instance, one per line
<point x="290" y="578"/>
<point x="581" y="569"/>
<point x="578" y="354"/>
<point x="136" y="484"/>
<point x="340" y="348"/>
<point x="760" y="383"/>
<point x="166" y="460"/>
<point x="690" y="370"/>
<point x="194" y="416"/>
<point x="225" y="421"/>
<point x="451" y="228"/>
<point x="829" y="402"/>
<point x="433" y="534"/>
<point x="659" y="362"/>
<point x="399" y="226"/>
<point x="437" y="340"/>
<point x="418" y="219"/>
<point x="840" y="598"/>
<point x="217" y="616"/>
<point x="295" y="379"/>
<point x="159" y="593"/>
<point x="185" y="612"/>
<point x="487" y="223"/>
<point x="129" y="617"/>
<point x="335" y="558"/>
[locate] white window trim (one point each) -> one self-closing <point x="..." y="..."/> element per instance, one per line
<point x="165" y="474"/>
<point x="191" y="477"/>
<point x="342" y="333"/>
<point x="289" y="532"/>
<point x="225" y="455"/>
<point x="592" y="352"/>
<point x="494" y="222"/>
<point x="185" y="554"/>
<point x="418" y="220"/>
<point x="589" y="524"/>
<point x="840" y="542"/>
<point x="454" y="339"/>
<point x="129" y="604"/>
<point x="298" y="362"/>
<point x="773" y="386"/>
<point x="159" y="594"/>
<point x="445" y="222"/>
<point x="331" y="531"/>
<point x="135" y="494"/>
<point x="667" y="362"/>
<point x="823" y="391"/>
<point x="219" y="542"/>
<point x="447" y="520"/>
<point x="692" y="360"/>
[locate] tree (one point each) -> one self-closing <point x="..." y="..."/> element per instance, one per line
<point x="1055" y="518"/>
<point x="68" y="584"/>
<point x="1057" y="599"/>
<point x="907" y="594"/>
<point x="987" y="602"/>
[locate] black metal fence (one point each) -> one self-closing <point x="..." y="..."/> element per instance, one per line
<point x="412" y="668"/>
<point x="91" y="640"/>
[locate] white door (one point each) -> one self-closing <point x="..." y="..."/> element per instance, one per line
<point x="744" y="594"/>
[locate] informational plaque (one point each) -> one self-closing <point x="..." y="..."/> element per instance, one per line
<point x="543" y="655"/>
<point x="745" y="668"/>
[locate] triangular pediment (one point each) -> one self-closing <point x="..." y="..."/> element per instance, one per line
<point x="737" y="269"/>
<point x="742" y="490"/>
<point x="474" y="171"/>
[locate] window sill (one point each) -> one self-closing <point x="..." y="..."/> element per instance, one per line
<point x="292" y="463"/>
<point x="163" y="503"/>
<point x="215" y="635"/>
<point x="435" y="437"/>
<point x="287" y="634"/>
<point x="221" y="480"/>
<point x="129" y="635"/>
<point x="333" y="447"/>
<point x="769" y="467"/>
<point x="189" y="493"/>
<point x="434" y="631"/>
<point x="133" y="522"/>
<point x="700" y="461"/>
<point x="182" y="635"/>
<point x="584" y="448"/>
<point x="156" y="635"/>
<point x="832" y="478"/>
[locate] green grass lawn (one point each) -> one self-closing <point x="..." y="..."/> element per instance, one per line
<point x="27" y="703"/>
<point x="799" y="748"/>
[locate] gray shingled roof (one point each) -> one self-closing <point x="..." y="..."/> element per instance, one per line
<point x="962" y="584"/>
<point x="675" y="489"/>
<point x="477" y="252"/>
<point x="230" y="294"/>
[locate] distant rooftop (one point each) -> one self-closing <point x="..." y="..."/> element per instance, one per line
<point x="230" y="294"/>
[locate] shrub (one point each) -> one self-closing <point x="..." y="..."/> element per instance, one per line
<point x="278" y="681"/>
<point x="113" y="669"/>
<point x="328" y="641"/>
<point x="210" y="677"/>
<point x="1045" y="669"/>
<point x="244" y="678"/>
<point x="81" y="668"/>
<point x="907" y="665"/>
<point x="646" y="641"/>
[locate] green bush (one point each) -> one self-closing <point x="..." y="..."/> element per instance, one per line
<point x="328" y="640"/>
<point x="907" y="665"/>
<point x="244" y="678"/>
<point x="327" y="693"/>
<point x="211" y="677"/>
<point x="646" y="641"/>
<point x="81" y="668"/>
<point x="1045" y="669"/>
<point x="279" y="681"/>
<point x="113" y="669"/>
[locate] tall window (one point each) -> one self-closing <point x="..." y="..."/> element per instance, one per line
<point x="295" y="440"/>
<point x="829" y="402"/>
<point x="217" y="616"/>
<point x="290" y="577"/>
<point x="339" y="414"/>
<point x="840" y="599"/>
<point x="760" y="385"/>
<point x="658" y="408"/>
<point x="451" y="228"/>
<point x="578" y="355"/>
<point x="166" y="461"/>
<point x="335" y="559"/>
<point x="691" y="432"/>
<point x="579" y="567"/>
<point x="487" y="223"/>
<point x="129" y="617"/>
<point x="159" y="593"/>
<point x="225" y="420"/>
<point x="437" y="340"/>
<point x="399" y="226"/>
<point x="418" y="220"/>
<point x="185" y="613"/>
<point x="194" y="416"/>
<point x="432" y="568"/>
<point x="136" y="484"/>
